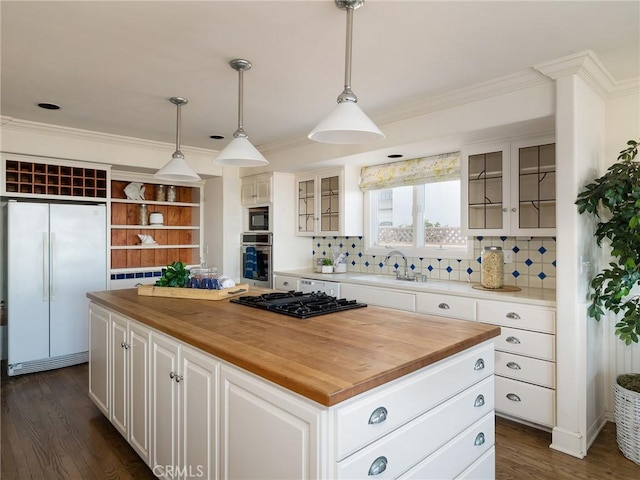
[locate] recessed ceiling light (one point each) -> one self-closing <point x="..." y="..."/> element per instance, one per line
<point x="49" y="106"/>
<point x="395" y="155"/>
<point x="216" y="137"/>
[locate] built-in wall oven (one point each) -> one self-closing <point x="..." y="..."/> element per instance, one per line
<point x="256" y="258"/>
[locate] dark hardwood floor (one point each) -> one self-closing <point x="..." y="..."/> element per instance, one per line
<point x="52" y="430"/>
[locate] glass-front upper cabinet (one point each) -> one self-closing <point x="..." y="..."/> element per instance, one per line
<point x="509" y="188"/>
<point x="329" y="203"/>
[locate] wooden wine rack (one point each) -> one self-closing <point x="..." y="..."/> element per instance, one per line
<point x="45" y="179"/>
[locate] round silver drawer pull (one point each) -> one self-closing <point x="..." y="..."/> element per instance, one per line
<point x="172" y="375"/>
<point x="379" y="415"/>
<point x="479" y="401"/>
<point x="479" y="439"/>
<point x="479" y="364"/>
<point x="378" y="466"/>
<point x="513" y="366"/>
<point x="444" y="306"/>
<point x="513" y="340"/>
<point x="179" y="378"/>
<point x="513" y="316"/>
<point x="286" y="284"/>
<point x="513" y="397"/>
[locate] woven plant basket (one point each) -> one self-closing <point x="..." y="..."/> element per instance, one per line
<point x="627" y="416"/>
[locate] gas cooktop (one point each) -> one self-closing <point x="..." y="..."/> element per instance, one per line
<point x="298" y="304"/>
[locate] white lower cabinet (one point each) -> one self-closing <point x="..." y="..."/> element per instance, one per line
<point x="525" y="360"/>
<point x="209" y="419"/>
<point x="379" y="296"/>
<point x="267" y="433"/>
<point x="119" y="374"/>
<point x="183" y="410"/>
<point x="99" y="367"/>
<point x="130" y="382"/>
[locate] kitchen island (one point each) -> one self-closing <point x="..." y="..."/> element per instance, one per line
<point x="226" y="391"/>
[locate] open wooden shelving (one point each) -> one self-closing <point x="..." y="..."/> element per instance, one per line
<point x="177" y="239"/>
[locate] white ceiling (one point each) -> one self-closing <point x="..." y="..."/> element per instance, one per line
<point x="112" y="66"/>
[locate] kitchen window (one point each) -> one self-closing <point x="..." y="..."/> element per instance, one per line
<point x="414" y="206"/>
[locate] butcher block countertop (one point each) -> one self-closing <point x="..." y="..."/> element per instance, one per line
<point x="328" y="358"/>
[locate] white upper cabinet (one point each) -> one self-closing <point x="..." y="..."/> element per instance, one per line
<point x="256" y="190"/>
<point x="330" y="203"/>
<point x="509" y="188"/>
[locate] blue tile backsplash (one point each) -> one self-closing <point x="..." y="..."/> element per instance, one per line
<point x="534" y="260"/>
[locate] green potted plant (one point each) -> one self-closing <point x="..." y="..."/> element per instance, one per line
<point x="327" y="265"/>
<point x="614" y="200"/>
<point x="175" y="275"/>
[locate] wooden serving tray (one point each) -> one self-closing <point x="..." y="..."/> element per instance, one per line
<point x="192" y="293"/>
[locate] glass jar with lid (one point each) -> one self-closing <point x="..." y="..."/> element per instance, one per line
<point x="492" y="268"/>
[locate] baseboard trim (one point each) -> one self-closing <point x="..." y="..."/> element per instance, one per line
<point x="567" y="442"/>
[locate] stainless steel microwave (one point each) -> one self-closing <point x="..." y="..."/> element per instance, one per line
<point x="258" y="219"/>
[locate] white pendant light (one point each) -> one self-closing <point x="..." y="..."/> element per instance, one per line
<point x="347" y="124"/>
<point x="239" y="152"/>
<point x="177" y="169"/>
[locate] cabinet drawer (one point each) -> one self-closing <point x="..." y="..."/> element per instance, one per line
<point x="379" y="297"/>
<point x="483" y="469"/>
<point x="446" y="306"/>
<point x="525" y="342"/>
<point x="522" y="400"/>
<point x="530" y="370"/>
<point x="374" y="414"/>
<point x="459" y="453"/>
<point x="283" y="282"/>
<point x="517" y="316"/>
<point x="406" y="446"/>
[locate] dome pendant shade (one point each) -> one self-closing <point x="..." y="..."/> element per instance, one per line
<point x="347" y="124"/>
<point x="239" y="152"/>
<point x="177" y="169"/>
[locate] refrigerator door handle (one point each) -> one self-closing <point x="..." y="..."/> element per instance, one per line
<point x="45" y="276"/>
<point x="52" y="276"/>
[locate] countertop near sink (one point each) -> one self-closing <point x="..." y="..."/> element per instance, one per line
<point x="528" y="295"/>
<point x="328" y="358"/>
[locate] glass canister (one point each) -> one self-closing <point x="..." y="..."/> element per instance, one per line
<point x="492" y="268"/>
<point x="161" y="195"/>
<point x="143" y="217"/>
<point x="171" y="193"/>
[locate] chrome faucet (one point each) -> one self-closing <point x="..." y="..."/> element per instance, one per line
<point x="404" y="257"/>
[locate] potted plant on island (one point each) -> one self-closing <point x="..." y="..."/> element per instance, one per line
<point x="614" y="200"/>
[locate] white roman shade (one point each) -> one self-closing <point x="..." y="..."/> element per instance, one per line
<point x="417" y="171"/>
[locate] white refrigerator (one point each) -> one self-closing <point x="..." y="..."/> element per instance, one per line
<point x="56" y="253"/>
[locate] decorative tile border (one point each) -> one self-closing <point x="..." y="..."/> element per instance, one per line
<point x="127" y="276"/>
<point x="534" y="260"/>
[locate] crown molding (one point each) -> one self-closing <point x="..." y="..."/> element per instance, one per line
<point x="58" y="131"/>
<point x="492" y="88"/>
<point x="588" y="67"/>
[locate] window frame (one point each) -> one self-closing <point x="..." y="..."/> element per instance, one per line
<point x="370" y="232"/>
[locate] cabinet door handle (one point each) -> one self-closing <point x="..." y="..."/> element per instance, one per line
<point x="479" y="401"/>
<point x="479" y="364"/>
<point x="378" y="466"/>
<point x="513" y="366"/>
<point x="505" y="209"/>
<point x="172" y="375"/>
<point x="178" y="378"/>
<point x="513" y="340"/>
<point x="125" y="345"/>
<point x="479" y="440"/>
<point x="444" y="306"/>
<point x="285" y="283"/>
<point x="513" y="397"/>
<point x="379" y="415"/>
<point x="513" y="316"/>
<point x="513" y="209"/>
